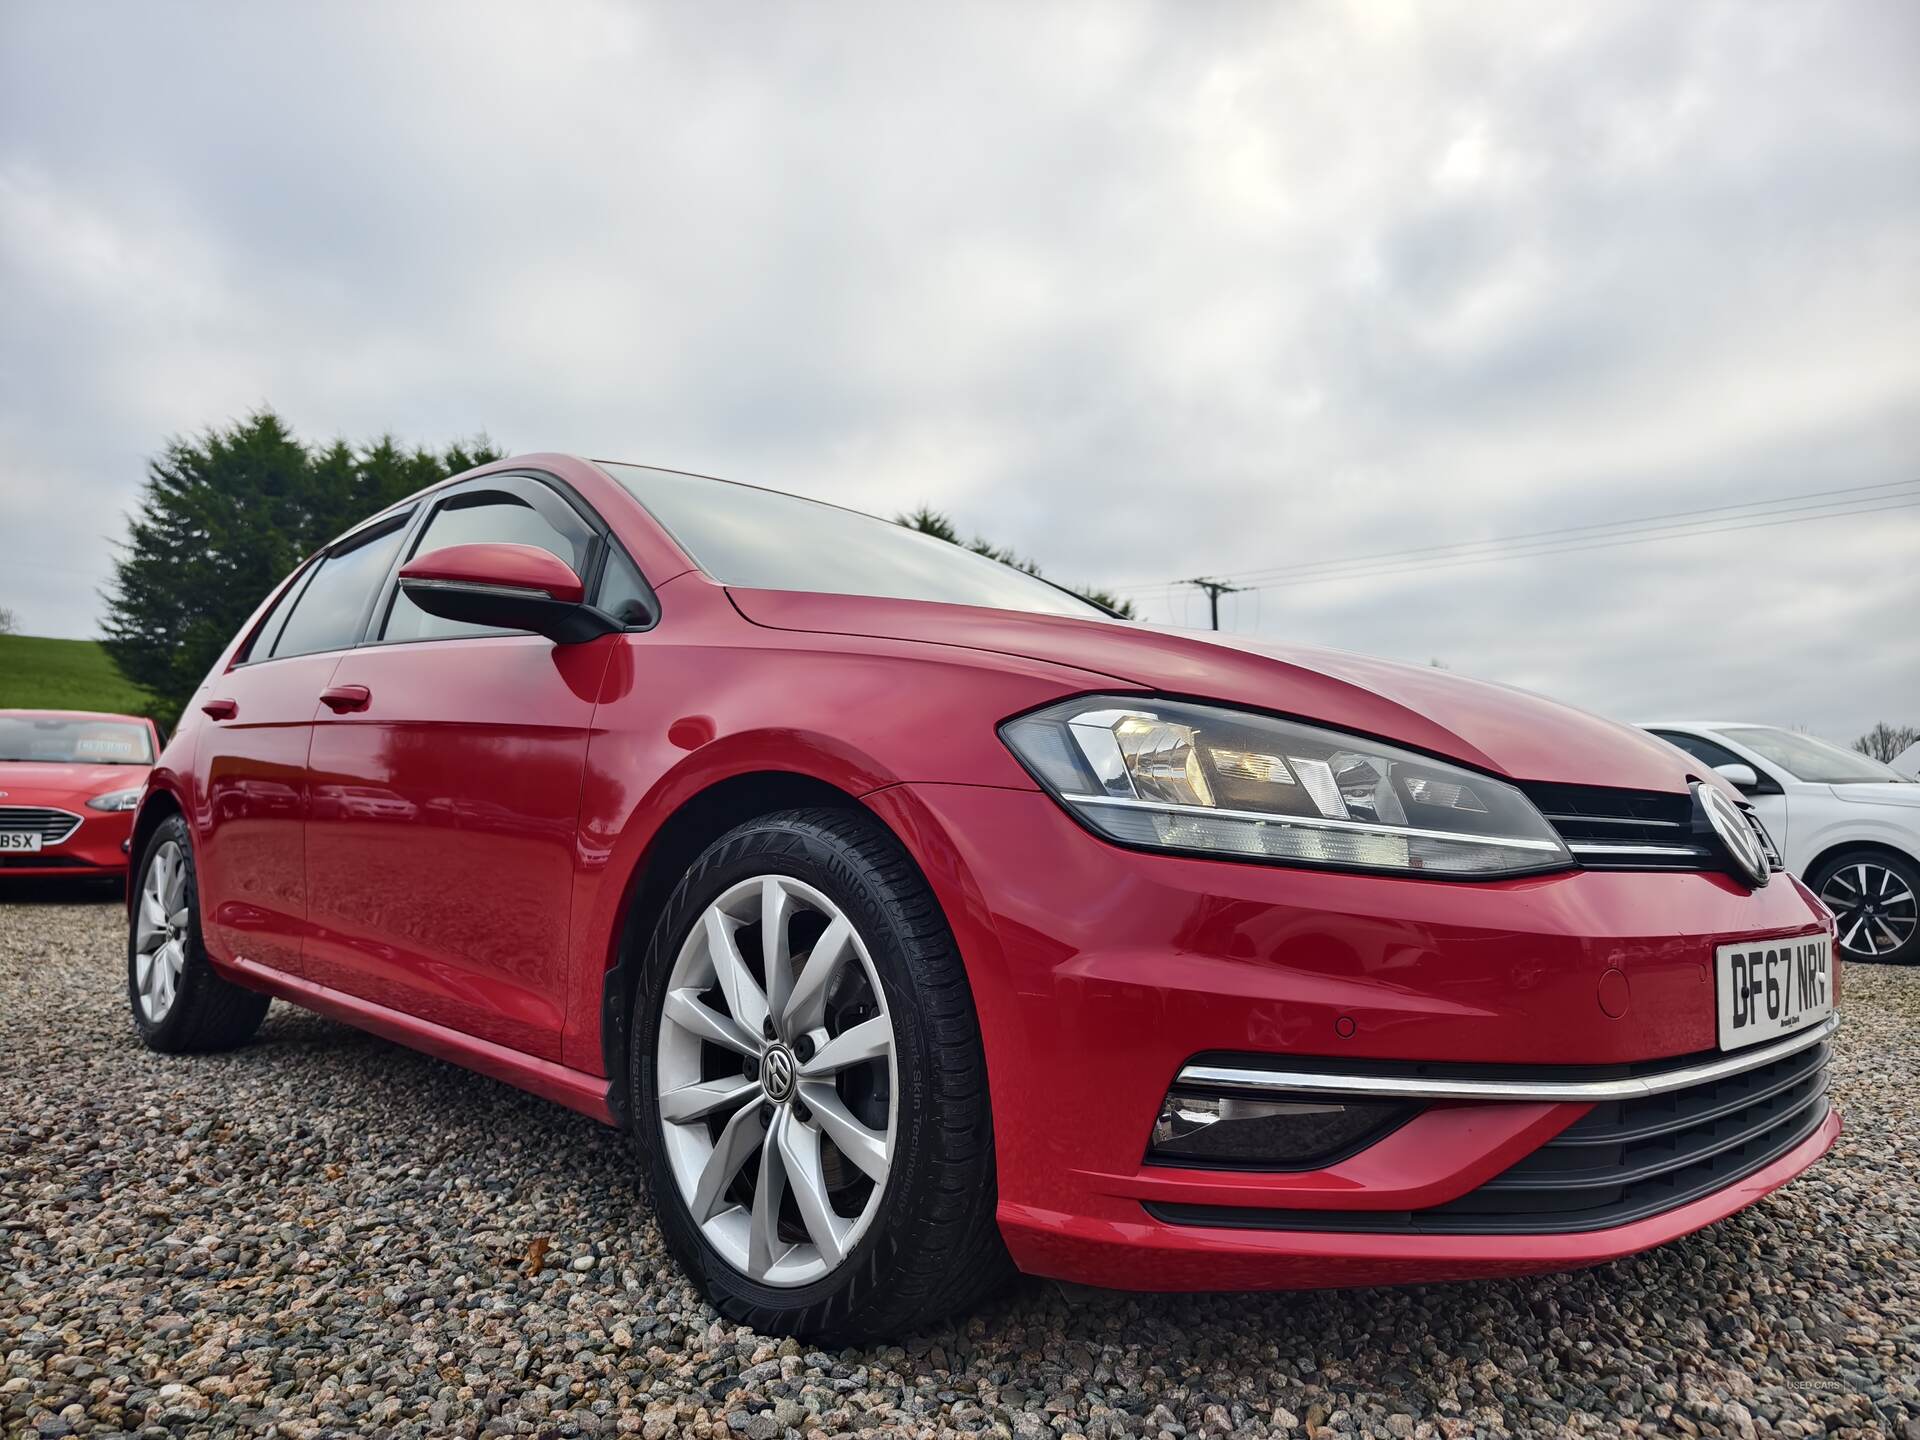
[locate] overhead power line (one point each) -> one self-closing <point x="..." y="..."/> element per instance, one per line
<point x="1215" y="589"/>
<point x="1677" y="525"/>
<point x="1674" y="520"/>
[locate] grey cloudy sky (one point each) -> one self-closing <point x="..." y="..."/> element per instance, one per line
<point x="1143" y="291"/>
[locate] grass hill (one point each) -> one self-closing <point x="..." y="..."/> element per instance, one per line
<point x="41" y="674"/>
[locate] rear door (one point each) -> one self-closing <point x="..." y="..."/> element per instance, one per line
<point x="446" y="793"/>
<point x="250" y="766"/>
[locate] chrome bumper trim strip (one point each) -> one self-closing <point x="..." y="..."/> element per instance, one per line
<point x="1265" y="1081"/>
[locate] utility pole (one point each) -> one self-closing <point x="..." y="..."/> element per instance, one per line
<point x="1215" y="589"/>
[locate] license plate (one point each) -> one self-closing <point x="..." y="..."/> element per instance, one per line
<point x="13" y="842"/>
<point x="1770" y="988"/>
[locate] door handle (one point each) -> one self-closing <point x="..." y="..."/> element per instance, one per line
<point x="221" y="709"/>
<point x="342" y="698"/>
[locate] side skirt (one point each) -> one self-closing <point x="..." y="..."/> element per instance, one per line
<point x="575" y="1089"/>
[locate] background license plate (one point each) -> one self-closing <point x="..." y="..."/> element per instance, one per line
<point x="14" y="841"/>
<point x="1769" y="988"/>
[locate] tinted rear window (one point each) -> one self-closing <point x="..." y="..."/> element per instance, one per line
<point x="764" y="540"/>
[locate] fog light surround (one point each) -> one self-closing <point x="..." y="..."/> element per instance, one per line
<point x="1195" y="1128"/>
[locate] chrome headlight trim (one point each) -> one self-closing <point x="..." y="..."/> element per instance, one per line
<point x="1198" y="778"/>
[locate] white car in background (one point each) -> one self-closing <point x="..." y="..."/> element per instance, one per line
<point x="1847" y="825"/>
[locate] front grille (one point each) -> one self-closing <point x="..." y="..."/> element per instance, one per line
<point x="1623" y="1161"/>
<point x="52" y="826"/>
<point x="1625" y="829"/>
<point x="1637" y="829"/>
<point x="1774" y="862"/>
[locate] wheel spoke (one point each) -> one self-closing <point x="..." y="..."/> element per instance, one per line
<point x="800" y="1148"/>
<point x="869" y="1040"/>
<point x="768" y="1001"/>
<point x="807" y="1002"/>
<point x="734" y="1148"/>
<point x="864" y="1147"/>
<point x="776" y="956"/>
<point x="696" y="1102"/>
<point x="142" y="970"/>
<point x="166" y="970"/>
<point x="764" y="1245"/>
<point x="743" y="996"/>
<point x="685" y="1009"/>
<point x="1887" y="933"/>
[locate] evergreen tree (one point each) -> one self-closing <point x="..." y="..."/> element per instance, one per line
<point x="223" y="519"/>
<point x="929" y="521"/>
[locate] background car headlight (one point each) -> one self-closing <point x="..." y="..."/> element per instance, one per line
<point x="118" y="799"/>
<point x="1180" y="776"/>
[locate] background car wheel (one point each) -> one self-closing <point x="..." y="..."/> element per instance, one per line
<point x="1876" y="895"/>
<point x="179" y="1004"/>
<point x="811" y="1093"/>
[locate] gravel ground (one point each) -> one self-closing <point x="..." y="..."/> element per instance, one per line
<point x="325" y="1234"/>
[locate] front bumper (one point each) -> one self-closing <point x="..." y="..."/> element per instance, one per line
<point x="96" y="847"/>
<point x="1099" y="973"/>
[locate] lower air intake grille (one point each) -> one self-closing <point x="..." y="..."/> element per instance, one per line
<point x="1623" y="1161"/>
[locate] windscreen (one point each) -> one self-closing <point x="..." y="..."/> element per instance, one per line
<point x="69" y="741"/>
<point x="765" y="540"/>
<point x="1814" y="761"/>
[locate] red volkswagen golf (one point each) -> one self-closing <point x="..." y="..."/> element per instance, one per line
<point x="922" y="920"/>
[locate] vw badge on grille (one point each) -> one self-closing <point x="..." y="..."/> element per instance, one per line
<point x="1741" y="841"/>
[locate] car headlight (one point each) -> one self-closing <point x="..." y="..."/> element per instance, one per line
<point x="1179" y="776"/>
<point x="115" y="800"/>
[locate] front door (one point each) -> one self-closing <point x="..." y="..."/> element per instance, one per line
<point x="446" y="776"/>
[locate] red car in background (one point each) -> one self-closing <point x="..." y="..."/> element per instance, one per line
<point x="70" y="781"/>
<point x="922" y="920"/>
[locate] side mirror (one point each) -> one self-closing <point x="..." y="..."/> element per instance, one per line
<point x="510" y="587"/>
<point x="1744" y="777"/>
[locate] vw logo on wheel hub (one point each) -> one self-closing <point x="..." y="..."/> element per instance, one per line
<point x="777" y="1072"/>
<point x="1739" y="838"/>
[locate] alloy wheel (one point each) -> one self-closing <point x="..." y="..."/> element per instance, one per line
<point x="777" y="1080"/>
<point x="1876" y="908"/>
<point x="160" y="952"/>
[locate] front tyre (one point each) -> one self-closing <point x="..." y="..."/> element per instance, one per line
<point x="1875" y="898"/>
<point x="811" y="1097"/>
<point x="179" y="1004"/>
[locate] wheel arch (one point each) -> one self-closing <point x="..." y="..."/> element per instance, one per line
<point x="155" y="810"/>
<point x="698" y="821"/>
<point x="1851" y="847"/>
